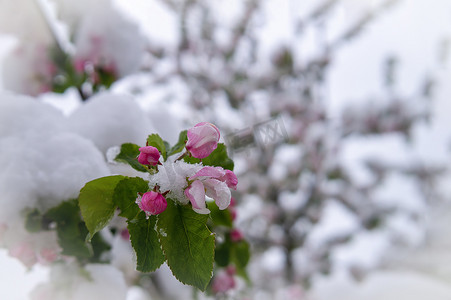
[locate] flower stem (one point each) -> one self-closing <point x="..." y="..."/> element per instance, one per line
<point x="183" y="155"/>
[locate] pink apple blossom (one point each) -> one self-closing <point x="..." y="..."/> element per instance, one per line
<point x="47" y="255"/>
<point x="152" y="203"/>
<point x="226" y="176"/>
<point x="231" y="270"/>
<point x="79" y="65"/>
<point x="148" y="155"/>
<point x="223" y="282"/>
<point x="203" y="138"/>
<point x="25" y="253"/>
<point x="215" y="182"/>
<point x="3" y="229"/>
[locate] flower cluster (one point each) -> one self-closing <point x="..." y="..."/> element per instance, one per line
<point x="224" y="281"/>
<point x="212" y="181"/>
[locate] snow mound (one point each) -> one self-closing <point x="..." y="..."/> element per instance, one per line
<point x="73" y="283"/>
<point x="41" y="164"/>
<point x="110" y="120"/>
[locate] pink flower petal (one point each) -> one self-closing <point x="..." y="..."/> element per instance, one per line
<point x="219" y="191"/>
<point x="230" y="179"/>
<point x="25" y="253"/>
<point x="211" y="172"/>
<point x="47" y="256"/>
<point x="196" y="195"/>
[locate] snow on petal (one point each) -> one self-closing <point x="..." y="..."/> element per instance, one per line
<point x="171" y="177"/>
<point x="211" y="172"/>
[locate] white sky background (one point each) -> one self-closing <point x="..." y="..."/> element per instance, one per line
<point x="412" y="30"/>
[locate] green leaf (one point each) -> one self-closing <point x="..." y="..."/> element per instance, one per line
<point x="236" y="253"/>
<point x="33" y="221"/>
<point x="156" y="141"/>
<point x="145" y="242"/>
<point x="125" y="194"/>
<point x="99" y="245"/>
<point x="129" y="153"/>
<point x="180" y="144"/>
<point x="96" y="202"/>
<point x="167" y="147"/>
<point x="106" y="77"/>
<point x="187" y="244"/>
<point x="70" y="229"/>
<point x="217" y="158"/>
<point x="220" y="217"/>
<point x="240" y="254"/>
<point x="222" y="254"/>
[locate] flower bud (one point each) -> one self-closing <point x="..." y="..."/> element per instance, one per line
<point x="152" y="203"/>
<point x="233" y="212"/>
<point x="148" y="155"/>
<point x="236" y="235"/>
<point x="203" y="138"/>
<point x="231" y="270"/>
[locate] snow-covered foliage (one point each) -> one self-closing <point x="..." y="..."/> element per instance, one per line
<point x="109" y="120"/>
<point x="88" y="47"/>
<point x="42" y="161"/>
<point x="293" y="153"/>
<point x="94" y="281"/>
